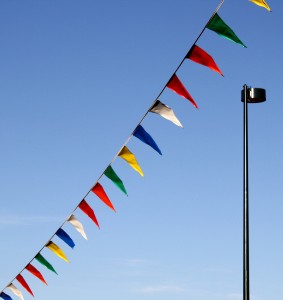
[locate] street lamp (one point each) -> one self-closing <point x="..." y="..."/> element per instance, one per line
<point x="248" y="95"/>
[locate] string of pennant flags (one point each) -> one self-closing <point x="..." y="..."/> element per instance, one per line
<point x="195" y="54"/>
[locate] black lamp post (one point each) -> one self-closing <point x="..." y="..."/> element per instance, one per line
<point x="248" y="95"/>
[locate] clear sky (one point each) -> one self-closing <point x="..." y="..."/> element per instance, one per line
<point x="76" y="78"/>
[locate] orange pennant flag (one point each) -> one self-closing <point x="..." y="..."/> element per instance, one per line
<point x="88" y="211"/>
<point x="22" y="281"/>
<point x="176" y="85"/>
<point x="35" y="272"/>
<point x="199" y="56"/>
<point x="98" y="190"/>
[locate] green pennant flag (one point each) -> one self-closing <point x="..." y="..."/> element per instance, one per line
<point x="217" y="25"/>
<point x="110" y="173"/>
<point x="44" y="262"/>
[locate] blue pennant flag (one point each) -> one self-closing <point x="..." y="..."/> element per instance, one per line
<point x="63" y="235"/>
<point x="5" y="296"/>
<point x="142" y="135"/>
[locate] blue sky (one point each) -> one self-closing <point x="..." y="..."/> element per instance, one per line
<point x="76" y="78"/>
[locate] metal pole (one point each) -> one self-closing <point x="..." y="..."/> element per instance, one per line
<point x="249" y="95"/>
<point x="246" y="277"/>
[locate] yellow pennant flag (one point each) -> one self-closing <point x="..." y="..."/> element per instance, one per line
<point x="58" y="251"/>
<point x="261" y="3"/>
<point x="129" y="157"/>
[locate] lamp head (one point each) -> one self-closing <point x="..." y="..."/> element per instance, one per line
<point x="254" y="95"/>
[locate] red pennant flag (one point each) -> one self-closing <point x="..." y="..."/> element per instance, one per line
<point x="98" y="190"/>
<point x="199" y="56"/>
<point x="22" y="281"/>
<point x="35" y="272"/>
<point x="88" y="211"/>
<point x="176" y="85"/>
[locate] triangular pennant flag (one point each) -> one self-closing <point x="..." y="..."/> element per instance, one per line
<point x="145" y="137"/>
<point x="35" y="272"/>
<point x="176" y="85"/>
<point x="217" y="25"/>
<point x="110" y="173"/>
<point x="166" y="112"/>
<point x="5" y="296"/>
<point x="56" y="250"/>
<point x="199" y="56"/>
<point x="63" y="235"/>
<point x="22" y="281"/>
<point x="88" y="211"/>
<point x="16" y="291"/>
<point x="78" y="225"/>
<point x="261" y="3"/>
<point x="44" y="262"/>
<point x="130" y="158"/>
<point x="98" y="190"/>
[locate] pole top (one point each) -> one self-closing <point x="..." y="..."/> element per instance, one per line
<point x="254" y="95"/>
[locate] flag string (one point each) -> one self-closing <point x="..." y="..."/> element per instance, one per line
<point x="180" y="90"/>
<point x="176" y="70"/>
<point x="126" y="142"/>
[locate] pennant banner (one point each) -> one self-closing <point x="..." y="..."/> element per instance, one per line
<point x="130" y="158"/>
<point x="88" y="211"/>
<point x="44" y="262"/>
<point x="57" y="250"/>
<point x="176" y="85"/>
<point x="110" y="173"/>
<point x="78" y="225"/>
<point x="5" y="296"/>
<point x="217" y="25"/>
<point x="16" y="291"/>
<point x="100" y="193"/>
<point x="195" y="54"/>
<point x="35" y="272"/>
<point x="22" y="281"/>
<point x="142" y="135"/>
<point x="199" y="56"/>
<point x="261" y="3"/>
<point x="63" y="235"/>
<point x="166" y="112"/>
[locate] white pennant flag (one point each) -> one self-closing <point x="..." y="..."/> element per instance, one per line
<point x="16" y="291"/>
<point x="165" y="112"/>
<point x="78" y="225"/>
